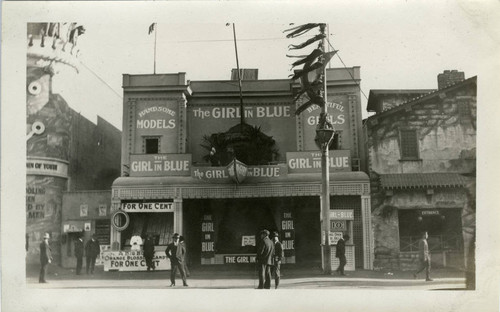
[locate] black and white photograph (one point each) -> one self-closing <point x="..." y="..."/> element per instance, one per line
<point x="198" y="155"/>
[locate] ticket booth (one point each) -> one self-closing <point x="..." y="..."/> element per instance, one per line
<point x="341" y="222"/>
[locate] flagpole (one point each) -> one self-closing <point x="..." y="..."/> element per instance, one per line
<point x="154" y="69"/>
<point x="242" y="113"/>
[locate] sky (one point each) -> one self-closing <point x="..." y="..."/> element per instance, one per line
<point x="403" y="45"/>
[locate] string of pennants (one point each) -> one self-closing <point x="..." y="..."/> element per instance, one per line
<point x="315" y="61"/>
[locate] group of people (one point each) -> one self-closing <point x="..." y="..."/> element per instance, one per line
<point x="269" y="257"/>
<point x="92" y="251"/>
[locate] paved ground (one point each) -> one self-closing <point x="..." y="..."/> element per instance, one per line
<point x="246" y="278"/>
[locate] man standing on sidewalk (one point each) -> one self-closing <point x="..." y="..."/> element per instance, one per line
<point x="425" y="258"/>
<point x="149" y="252"/>
<point x="79" y="254"/>
<point x="45" y="257"/>
<point x="265" y="251"/>
<point x="278" y="257"/>
<point x="176" y="252"/>
<point x="92" y="250"/>
<point x="340" y="253"/>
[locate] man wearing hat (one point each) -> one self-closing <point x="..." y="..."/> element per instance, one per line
<point x="265" y="252"/>
<point x="277" y="258"/>
<point x="176" y="252"/>
<point x="45" y="257"/>
<point x="92" y="250"/>
<point x="340" y="253"/>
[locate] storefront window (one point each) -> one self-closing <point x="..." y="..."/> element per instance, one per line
<point x="159" y="225"/>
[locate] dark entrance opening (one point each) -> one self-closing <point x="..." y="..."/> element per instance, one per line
<point x="245" y="217"/>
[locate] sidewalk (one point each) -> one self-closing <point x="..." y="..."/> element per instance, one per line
<point x="246" y="277"/>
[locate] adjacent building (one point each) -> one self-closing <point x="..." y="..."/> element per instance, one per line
<point x="65" y="150"/>
<point x="421" y="147"/>
<point x="200" y="161"/>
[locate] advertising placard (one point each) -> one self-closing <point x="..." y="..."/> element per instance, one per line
<point x="238" y="259"/>
<point x="288" y="233"/>
<point x="46" y="166"/>
<point x="334" y="237"/>
<point x="132" y="261"/>
<point x="146" y="165"/>
<point x="307" y="162"/>
<point x="207" y="237"/>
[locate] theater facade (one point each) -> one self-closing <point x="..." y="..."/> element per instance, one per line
<point x="200" y="161"/>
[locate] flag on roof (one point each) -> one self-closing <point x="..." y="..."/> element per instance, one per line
<point x="151" y="28"/>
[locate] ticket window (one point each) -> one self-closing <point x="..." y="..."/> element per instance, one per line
<point x="341" y="223"/>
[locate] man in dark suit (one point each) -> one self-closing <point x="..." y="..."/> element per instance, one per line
<point x="45" y="257"/>
<point x="149" y="252"/>
<point x="92" y="250"/>
<point x="79" y="254"/>
<point x="278" y="257"/>
<point x="424" y="257"/>
<point x="176" y="252"/>
<point x="265" y="252"/>
<point x="340" y="253"/>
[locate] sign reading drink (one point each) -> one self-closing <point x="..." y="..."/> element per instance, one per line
<point x="148" y="165"/>
<point x="148" y="207"/>
<point x="307" y="162"/>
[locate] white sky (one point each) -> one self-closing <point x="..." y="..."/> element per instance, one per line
<point x="399" y="45"/>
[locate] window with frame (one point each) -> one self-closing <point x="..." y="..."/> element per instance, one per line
<point x="463" y="111"/>
<point x="409" y="144"/>
<point x="151" y="145"/>
<point x="336" y="142"/>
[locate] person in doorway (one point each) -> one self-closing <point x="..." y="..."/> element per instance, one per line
<point x="340" y="253"/>
<point x="92" y="250"/>
<point x="45" y="257"/>
<point x="277" y="258"/>
<point x="176" y="252"/>
<point x="183" y="242"/>
<point x="79" y="254"/>
<point x="265" y="252"/>
<point x="149" y="252"/>
<point x="424" y="257"/>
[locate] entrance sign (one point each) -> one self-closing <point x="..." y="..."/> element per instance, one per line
<point x="132" y="261"/>
<point x="308" y="162"/>
<point x="148" y="207"/>
<point x="237" y="259"/>
<point x="152" y="165"/>
<point x="342" y="214"/>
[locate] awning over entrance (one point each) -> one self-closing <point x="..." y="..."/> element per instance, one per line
<point x="337" y="177"/>
<point x="422" y="180"/>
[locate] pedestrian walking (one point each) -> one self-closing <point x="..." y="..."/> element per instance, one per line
<point x="79" y="254"/>
<point x="340" y="253"/>
<point x="92" y="250"/>
<point x="45" y="257"/>
<point x="149" y="252"/>
<point x="278" y="257"/>
<point x="183" y="242"/>
<point x="265" y="252"/>
<point x="424" y="257"/>
<point x="176" y="252"/>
